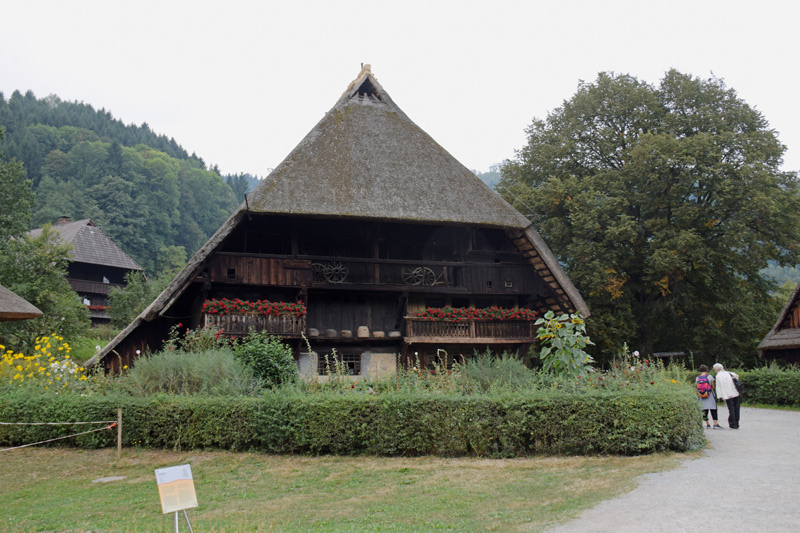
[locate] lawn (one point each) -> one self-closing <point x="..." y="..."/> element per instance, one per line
<point x="57" y="489"/>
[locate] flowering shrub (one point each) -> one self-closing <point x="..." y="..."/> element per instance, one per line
<point x="463" y="314"/>
<point x="225" y="306"/>
<point x="195" y="340"/>
<point x="49" y="368"/>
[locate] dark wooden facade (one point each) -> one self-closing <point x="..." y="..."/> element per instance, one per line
<point x="368" y="220"/>
<point x="96" y="265"/>
<point x="355" y="274"/>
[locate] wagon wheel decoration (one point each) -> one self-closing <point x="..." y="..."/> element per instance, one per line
<point x="419" y="276"/>
<point x="335" y="272"/>
<point x="317" y="272"/>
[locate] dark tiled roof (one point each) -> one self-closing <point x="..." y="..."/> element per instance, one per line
<point x="91" y="245"/>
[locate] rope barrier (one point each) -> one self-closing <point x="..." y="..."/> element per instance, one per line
<point x="110" y="426"/>
<point x="53" y="423"/>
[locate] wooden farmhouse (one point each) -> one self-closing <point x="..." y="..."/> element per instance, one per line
<point x="783" y="340"/>
<point x="96" y="264"/>
<point x="367" y="222"/>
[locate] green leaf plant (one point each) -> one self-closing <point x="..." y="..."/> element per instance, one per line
<point x="563" y="339"/>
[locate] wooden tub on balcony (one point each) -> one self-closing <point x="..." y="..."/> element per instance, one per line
<point x="239" y="324"/>
<point x="480" y="331"/>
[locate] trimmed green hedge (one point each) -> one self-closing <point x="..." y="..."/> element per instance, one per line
<point x="771" y="386"/>
<point x="391" y="424"/>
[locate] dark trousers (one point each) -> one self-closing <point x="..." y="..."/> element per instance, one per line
<point x="733" y="411"/>
<point x="713" y="414"/>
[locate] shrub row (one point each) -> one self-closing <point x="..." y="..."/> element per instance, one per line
<point x="771" y="386"/>
<point x="392" y="424"/>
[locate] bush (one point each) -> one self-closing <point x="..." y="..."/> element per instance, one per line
<point x="270" y="359"/>
<point x="486" y="372"/>
<point x="212" y="372"/>
<point x="597" y="422"/>
<point x="50" y="367"/>
<point x="771" y="385"/>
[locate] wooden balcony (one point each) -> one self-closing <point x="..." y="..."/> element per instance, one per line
<point x="425" y="330"/>
<point x="239" y="324"/>
<point x="91" y="287"/>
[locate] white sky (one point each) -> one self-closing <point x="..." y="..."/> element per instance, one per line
<point x="240" y="83"/>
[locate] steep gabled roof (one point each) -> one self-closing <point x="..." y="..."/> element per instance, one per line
<point x="785" y="334"/>
<point x="14" y="307"/>
<point x="367" y="160"/>
<point x="91" y="245"/>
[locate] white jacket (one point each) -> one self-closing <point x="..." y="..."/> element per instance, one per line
<point x="725" y="387"/>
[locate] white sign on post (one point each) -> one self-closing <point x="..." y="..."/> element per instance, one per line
<point x="176" y="488"/>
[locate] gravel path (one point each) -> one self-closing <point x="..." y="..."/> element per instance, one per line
<point x="747" y="480"/>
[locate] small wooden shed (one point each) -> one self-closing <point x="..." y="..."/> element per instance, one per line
<point x="783" y="340"/>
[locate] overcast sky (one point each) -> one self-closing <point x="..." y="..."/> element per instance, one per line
<point x="240" y="83"/>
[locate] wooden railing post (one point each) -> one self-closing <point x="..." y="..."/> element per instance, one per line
<point x="119" y="433"/>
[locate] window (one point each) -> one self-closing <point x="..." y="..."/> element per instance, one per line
<point x="348" y="364"/>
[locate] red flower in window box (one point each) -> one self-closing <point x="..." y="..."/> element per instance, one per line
<point x="225" y="306"/>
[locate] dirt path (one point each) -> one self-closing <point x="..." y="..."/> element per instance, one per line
<point x="747" y="480"/>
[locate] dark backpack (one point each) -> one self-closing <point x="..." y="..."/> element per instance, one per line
<point x="703" y="386"/>
<point x="737" y="384"/>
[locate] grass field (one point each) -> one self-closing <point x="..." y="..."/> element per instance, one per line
<point x="56" y="489"/>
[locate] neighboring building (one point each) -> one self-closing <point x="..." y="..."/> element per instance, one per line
<point x="14" y="307"/>
<point x="96" y="264"/>
<point x="783" y="340"/>
<point x="367" y="222"/>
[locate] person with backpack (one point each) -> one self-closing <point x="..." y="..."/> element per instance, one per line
<point x="708" y="401"/>
<point x="726" y="390"/>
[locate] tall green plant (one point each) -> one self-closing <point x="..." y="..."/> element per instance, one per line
<point x="213" y="372"/>
<point x="270" y="359"/>
<point x="487" y="371"/>
<point x="563" y="341"/>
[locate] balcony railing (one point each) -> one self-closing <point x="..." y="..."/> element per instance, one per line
<point x="470" y="331"/>
<point x="93" y="287"/>
<point x="239" y="324"/>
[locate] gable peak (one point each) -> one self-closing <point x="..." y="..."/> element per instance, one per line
<point x="364" y="88"/>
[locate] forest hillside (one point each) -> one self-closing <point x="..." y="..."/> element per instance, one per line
<point x="157" y="202"/>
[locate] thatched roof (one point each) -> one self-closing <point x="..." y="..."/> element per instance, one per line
<point x="14" y="307"/>
<point x="367" y="160"/>
<point x="785" y="334"/>
<point x="91" y="245"/>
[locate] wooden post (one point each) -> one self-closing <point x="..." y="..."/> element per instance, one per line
<point x="119" y="433"/>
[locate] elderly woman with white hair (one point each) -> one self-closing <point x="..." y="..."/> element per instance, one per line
<point x="726" y="390"/>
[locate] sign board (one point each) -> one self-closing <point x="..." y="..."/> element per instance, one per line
<point x="176" y="488"/>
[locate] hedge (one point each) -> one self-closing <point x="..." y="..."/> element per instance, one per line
<point x="390" y="425"/>
<point x="771" y="386"/>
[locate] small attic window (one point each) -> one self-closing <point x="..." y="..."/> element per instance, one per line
<point x="367" y="90"/>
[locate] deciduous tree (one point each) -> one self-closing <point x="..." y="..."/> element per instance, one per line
<point x="664" y="203"/>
